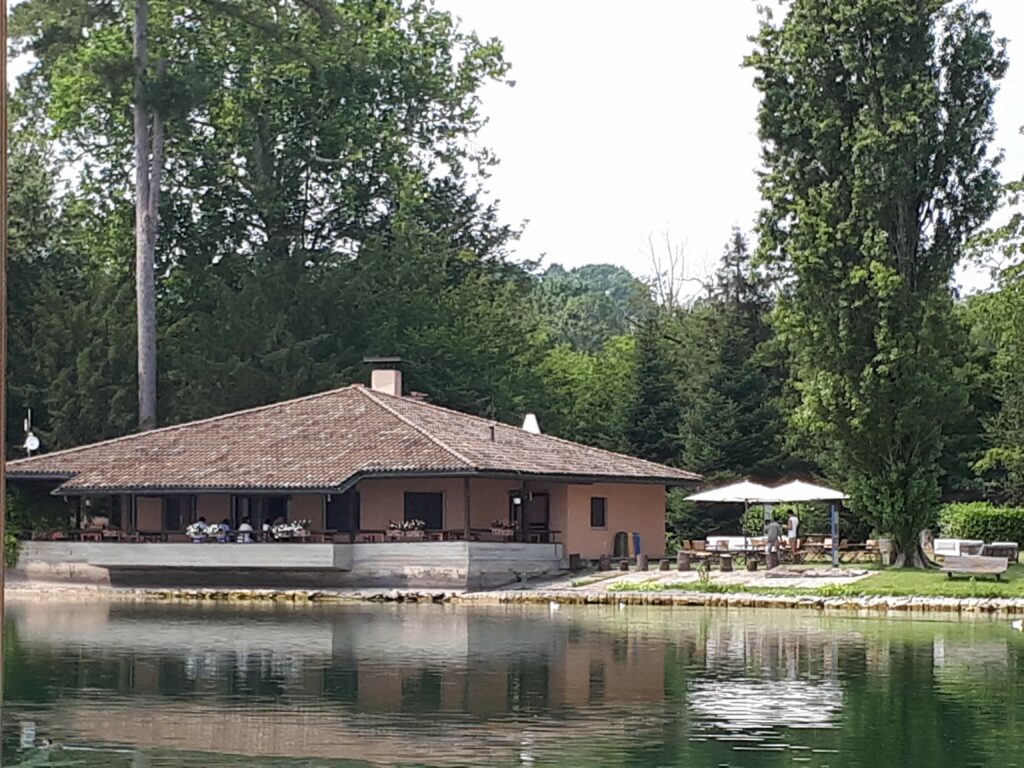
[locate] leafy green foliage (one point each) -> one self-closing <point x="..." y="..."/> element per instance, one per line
<point x="997" y="325"/>
<point x="875" y="119"/>
<point x="730" y="424"/>
<point x="981" y="520"/>
<point x="588" y="306"/>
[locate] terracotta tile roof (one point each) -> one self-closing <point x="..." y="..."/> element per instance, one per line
<point x="324" y="441"/>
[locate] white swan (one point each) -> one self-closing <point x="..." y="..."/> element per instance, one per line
<point x="553" y="606"/>
<point x="1018" y="624"/>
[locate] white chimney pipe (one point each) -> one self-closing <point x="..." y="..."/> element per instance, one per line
<point x="386" y="380"/>
<point x="531" y="425"/>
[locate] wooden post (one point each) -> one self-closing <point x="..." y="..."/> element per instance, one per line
<point x="641" y="562"/>
<point x="726" y="563"/>
<point x="751" y="563"/>
<point x="771" y="560"/>
<point x="624" y="564"/>
<point x="682" y="561"/>
<point x="664" y="565"/>
<point x="604" y="563"/>
<point x="465" y="501"/>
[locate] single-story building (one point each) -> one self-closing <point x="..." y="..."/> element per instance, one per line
<point x="354" y="464"/>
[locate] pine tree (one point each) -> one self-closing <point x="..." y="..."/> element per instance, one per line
<point x="653" y="412"/>
<point x="730" y="424"/>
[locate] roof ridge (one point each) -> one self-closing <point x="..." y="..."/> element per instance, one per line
<point x="545" y="435"/>
<point x="372" y="395"/>
<point x="184" y="424"/>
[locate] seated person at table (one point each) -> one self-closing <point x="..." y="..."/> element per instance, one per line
<point x="225" y="530"/>
<point x="245" y="531"/>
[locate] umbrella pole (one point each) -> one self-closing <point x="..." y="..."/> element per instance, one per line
<point x="834" y="510"/>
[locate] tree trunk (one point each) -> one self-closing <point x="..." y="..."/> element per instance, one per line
<point x="911" y="554"/>
<point x="148" y="166"/>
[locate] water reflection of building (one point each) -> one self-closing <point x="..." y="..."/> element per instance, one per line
<point x="358" y="674"/>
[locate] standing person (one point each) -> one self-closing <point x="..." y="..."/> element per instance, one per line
<point x="774" y="534"/>
<point x="794" y="523"/>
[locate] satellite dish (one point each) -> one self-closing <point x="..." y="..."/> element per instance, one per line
<point x="31" y="442"/>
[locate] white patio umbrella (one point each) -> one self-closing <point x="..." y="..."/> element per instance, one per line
<point x="742" y="492"/>
<point x="798" y="491"/>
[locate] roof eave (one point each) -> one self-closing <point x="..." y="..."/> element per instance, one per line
<point x="495" y="474"/>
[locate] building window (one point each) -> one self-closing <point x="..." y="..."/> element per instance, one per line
<point x="428" y="507"/>
<point x="172" y="513"/>
<point x="598" y="512"/>
<point x="343" y="512"/>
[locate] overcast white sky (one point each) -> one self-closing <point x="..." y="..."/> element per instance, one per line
<point x="629" y="119"/>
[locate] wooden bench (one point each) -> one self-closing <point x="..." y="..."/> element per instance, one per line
<point x="974" y="565"/>
<point x="1007" y="549"/>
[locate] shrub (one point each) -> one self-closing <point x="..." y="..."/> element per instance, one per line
<point x="980" y="520"/>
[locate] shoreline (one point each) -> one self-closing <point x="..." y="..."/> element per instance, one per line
<point x="42" y="591"/>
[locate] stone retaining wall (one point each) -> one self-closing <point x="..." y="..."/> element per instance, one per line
<point x="949" y="605"/>
<point x="391" y="565"/>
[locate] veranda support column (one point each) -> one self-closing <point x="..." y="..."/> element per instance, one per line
<point x="465" y="504"/>
<point x="834" y="510"/>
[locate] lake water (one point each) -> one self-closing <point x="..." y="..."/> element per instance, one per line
<point x="117" y="685"/>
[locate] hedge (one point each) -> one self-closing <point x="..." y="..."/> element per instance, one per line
<point x="979" y="520"/>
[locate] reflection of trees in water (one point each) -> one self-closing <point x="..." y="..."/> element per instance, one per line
<point x="668" y="684"/>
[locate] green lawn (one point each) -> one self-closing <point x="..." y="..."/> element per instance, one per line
<point x="891" y="581"/>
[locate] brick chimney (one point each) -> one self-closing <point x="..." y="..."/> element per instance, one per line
<point x="385" y="376"/>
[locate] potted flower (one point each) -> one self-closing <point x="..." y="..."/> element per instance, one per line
<point x="293" y="529"/>
<point x="503" y="528"/>
<point x="407" y="530"/>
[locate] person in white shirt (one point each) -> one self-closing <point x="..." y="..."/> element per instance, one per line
<point x="245" y="532"/>
<point x="794" y="523"/>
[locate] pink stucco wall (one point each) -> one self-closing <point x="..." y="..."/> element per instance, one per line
<point x="631" y="508"/>
<point x="213" y="506"/>
<point x="383" y="500"/>
<point x="149" y="513"/>
<point x="308" y="506"/>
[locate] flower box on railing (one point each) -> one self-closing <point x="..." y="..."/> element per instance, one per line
<point x="504" y="533"/>
<point x="409" y="535"/>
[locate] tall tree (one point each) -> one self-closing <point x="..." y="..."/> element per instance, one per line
<point x="298" y="137"/>
<point x="730" y="424"/>
<point x="148" y="140"/>
<point x="653" y="410"/>
<point x="875" y="121"/>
